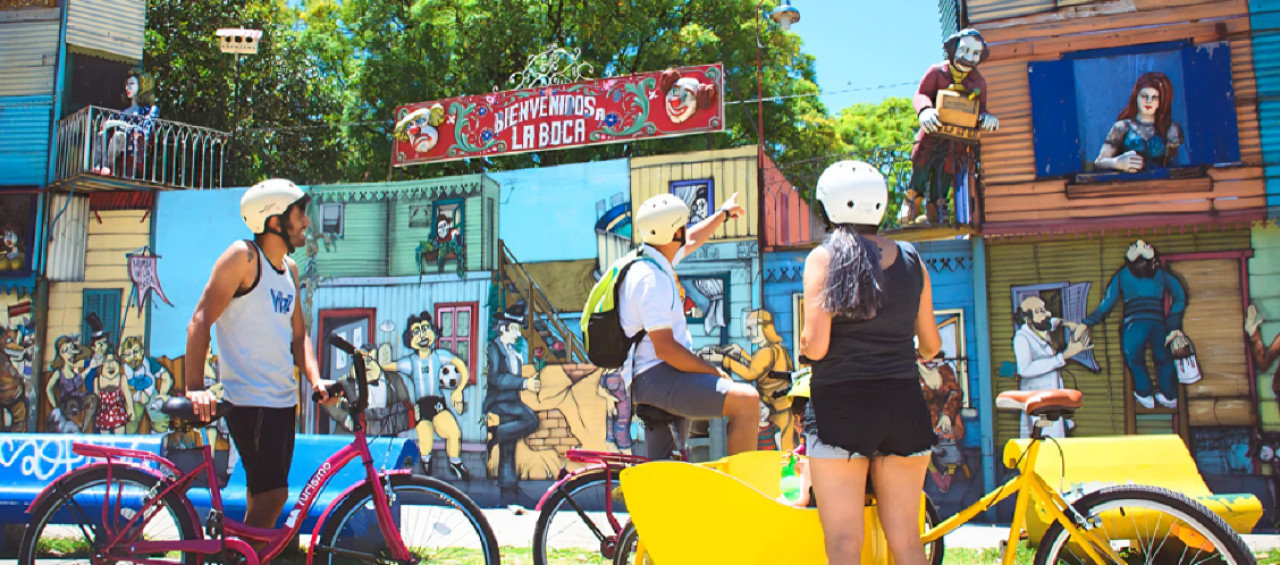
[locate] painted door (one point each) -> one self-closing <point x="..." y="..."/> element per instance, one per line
<point x="354" y="325"/>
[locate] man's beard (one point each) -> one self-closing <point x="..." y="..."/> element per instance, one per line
<point x="964" y="65"/>
<point x="133" y="363"/>
<point x="1042" y="325"/>
<point x="1143" y="268"/>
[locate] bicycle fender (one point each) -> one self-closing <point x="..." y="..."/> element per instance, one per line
<point x="571" y="476"/>
<point x="337" y="500"/>
<point x="96" y="467"/>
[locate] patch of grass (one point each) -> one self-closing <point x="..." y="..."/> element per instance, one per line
<point x="1269" y="558"/>
<point x="1026" y="554"/>
<point x="62" y="547"/>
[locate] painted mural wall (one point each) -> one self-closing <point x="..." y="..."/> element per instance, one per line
<point x="1149" y="328"/>
<point x="953" y="383"/>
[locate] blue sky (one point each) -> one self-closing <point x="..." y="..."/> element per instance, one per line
<point x="549" y="213"/>
<point x="863" y="43"/>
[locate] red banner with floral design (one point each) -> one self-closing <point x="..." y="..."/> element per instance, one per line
<point x="666" y="103"/>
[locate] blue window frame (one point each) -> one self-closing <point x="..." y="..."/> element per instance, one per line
<point x="1076" y="99"/>
<point x="699" y="194"/>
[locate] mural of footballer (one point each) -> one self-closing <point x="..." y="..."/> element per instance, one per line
<point x="431" y="371"/>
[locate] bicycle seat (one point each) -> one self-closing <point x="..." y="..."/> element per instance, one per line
<point x="1037" y="402"/>
<point x="180" y="408"/>
<point x="653" y="417"/>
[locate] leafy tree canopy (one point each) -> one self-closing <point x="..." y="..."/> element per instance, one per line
<point x="339" y="68"/>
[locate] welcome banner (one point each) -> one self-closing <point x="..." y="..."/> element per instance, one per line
<point x="666" y="103"/>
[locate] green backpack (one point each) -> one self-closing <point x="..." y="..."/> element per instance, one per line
<point x="607" y="343"/>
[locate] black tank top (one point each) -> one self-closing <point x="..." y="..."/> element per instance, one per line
<point x="882" y="347"/>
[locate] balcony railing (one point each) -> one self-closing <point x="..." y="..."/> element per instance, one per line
<point x="105" y="143"/>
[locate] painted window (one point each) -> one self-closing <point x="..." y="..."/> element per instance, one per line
<point x="456" y="322"/>
<point x="698" y="194"/>
<point x="331" y="219"/>
<point x="420" y="215"/>
<point x="1091" y="101"/>
<point x="105" y="304"/>
<point x="449" y="219"/>
<point x="706" y="303"/>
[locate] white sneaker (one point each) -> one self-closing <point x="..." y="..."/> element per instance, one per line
<point x="1145" y="401"/>
<point x="1167" y="403"/>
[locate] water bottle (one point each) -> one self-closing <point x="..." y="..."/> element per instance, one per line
<point x="790" y="483"/>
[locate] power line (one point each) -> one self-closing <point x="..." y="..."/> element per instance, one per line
<point x="825" y="93"/>
<point x="729" y="103"/>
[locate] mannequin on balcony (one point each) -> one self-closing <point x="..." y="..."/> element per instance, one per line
<point x="126" y="131"/>
<point x="933" y="172"/>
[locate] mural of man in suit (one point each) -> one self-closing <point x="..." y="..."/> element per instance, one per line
<point x="515" y="419"/>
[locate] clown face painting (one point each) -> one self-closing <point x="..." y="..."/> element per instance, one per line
<point x="419" y="128"/>
<point x="684" y="95"/>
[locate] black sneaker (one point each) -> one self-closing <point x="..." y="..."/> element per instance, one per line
<point x="460" y="470"/>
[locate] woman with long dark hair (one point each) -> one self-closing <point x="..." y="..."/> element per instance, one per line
<point x="866" y="300"/>
<point x="1144" y="135"/>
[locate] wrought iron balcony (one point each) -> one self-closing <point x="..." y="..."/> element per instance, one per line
<point x="102" y="149"/>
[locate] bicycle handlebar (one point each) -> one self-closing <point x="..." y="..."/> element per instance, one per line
<point x="362" y="379"/>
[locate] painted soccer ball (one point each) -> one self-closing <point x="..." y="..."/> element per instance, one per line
<point x="449" y="377"/>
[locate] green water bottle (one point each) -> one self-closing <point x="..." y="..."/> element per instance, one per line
<point x="790" y="482"/>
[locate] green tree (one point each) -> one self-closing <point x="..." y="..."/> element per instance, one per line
<point x="279" y="88"/>
<point x="383" y="53"/>
<point x="880" y="134"/>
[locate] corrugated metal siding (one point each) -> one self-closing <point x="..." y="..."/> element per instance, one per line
<point x="28" y="53"/>
<point x="68" y="239"/>
<point x="734" y="170"/>
<point x="394" y="302"/>
<point x="24" y="139"/>
<point x="107" y="28"/>
<point x="988" y="10"/>
<point x="1265" y="22"/>
<point x="362" y="251"/>
<point x="1012" y="192"/>
<point x="1077" y="261"/>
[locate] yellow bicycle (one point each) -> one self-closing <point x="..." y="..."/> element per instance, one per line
<point x="726" y="512"/>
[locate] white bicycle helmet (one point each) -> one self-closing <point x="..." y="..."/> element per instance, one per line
<point x="659" y="218"/>
<point x="853" y="192"/>
<point x="271" y="197"/>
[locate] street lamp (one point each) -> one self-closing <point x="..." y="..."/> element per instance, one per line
<point x="784" y="15"/>
<point x="237" y="42"/>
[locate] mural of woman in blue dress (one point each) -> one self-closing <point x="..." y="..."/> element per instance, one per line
<point x="1144" y="135"/>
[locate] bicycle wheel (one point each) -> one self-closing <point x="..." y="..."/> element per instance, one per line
<point x="437" y="521"/>
<point x="574" y="517"/>
<point x="627" y="540"/>
<point x="932" y="552"/>
<point x="71" y="526"/>
<point x="1146" y="524"/>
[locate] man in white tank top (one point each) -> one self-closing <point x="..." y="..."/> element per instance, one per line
<point x="252" y="296"/>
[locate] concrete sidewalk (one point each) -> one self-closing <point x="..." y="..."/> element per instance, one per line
<point x="516" y="530"/>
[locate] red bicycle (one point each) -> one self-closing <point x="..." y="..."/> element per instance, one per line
<point x="579" y="509"/>
<point x="132" y="507"/>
